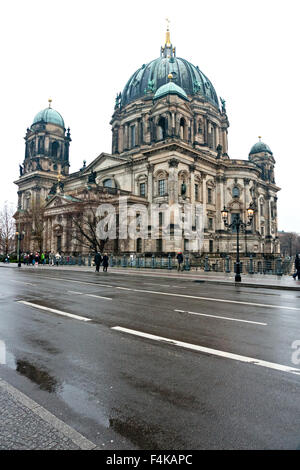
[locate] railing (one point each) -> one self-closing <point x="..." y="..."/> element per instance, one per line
<point x="277" y="266"/>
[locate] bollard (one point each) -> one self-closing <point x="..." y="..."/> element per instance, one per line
<point x="111" y="261"/>
<point x="187" y="263"/>
<point x="137" y="262"/>
<point x="153" y="262"/>
<point x="251" y="270"/>
<point x="279" y="267"/>
<point x="206" y="266"/>
<point x="227" y="264"/>
<point x="169" y="261"/>
<point x="79" y="260"/>
<point x="89" y="260"/>
<point x="124" y="261"/>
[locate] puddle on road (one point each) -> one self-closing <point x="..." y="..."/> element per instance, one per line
<point x="139" y="433"/>
<point x="39" y="376"/>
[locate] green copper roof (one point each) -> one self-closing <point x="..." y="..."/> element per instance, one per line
<point x="49" y="115"/>
<point x="170" y="89"/>
<point x="150" y="77"/>
<point x="260" y="147"/>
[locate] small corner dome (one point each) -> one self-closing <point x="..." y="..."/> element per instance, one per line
<point x="170" y="89"/>
<point x="49" y="115"/>
<point x="260" y="147"/>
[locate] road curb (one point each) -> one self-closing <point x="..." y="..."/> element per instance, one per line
<point x="78" y="439"/>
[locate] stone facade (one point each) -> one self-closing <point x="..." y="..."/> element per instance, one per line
<point x="169" y="145"/>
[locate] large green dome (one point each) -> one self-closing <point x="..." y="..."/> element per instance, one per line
<point x="49" y="115"/>
<point x="150" y="77"/>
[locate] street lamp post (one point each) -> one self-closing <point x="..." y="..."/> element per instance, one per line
<point x="20" y="236"/>
<point x="238" y="224"/>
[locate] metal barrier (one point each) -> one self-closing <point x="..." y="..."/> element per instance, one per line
<point x="277" y="266"/>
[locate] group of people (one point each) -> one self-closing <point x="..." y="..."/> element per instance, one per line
<point x="34" y="258"/>
<point x="101" y="259"/>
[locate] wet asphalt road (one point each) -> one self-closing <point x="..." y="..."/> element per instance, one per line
<point x="124" y="391"/>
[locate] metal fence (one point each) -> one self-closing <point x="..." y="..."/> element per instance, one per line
<point x="277" y="266"/>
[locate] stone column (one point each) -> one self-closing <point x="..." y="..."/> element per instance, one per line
<point x="173" y="181"/>
<point x="150" y="183"/>
<point x="204" y="198"/>
<point x="219" y="201"/>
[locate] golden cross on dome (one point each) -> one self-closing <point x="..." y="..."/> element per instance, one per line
<point x="49" y="101"/>
<point x="259" y="138"/>
<point x="168" y="40"/>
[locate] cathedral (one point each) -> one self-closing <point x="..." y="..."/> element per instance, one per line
<point x="169" y="146"/>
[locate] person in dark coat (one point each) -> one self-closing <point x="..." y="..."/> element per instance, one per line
<point x="105" y="262"/>
<point x="97" y="259"/>
<point x="297" y="267"/>
<point x="179" y="258"/>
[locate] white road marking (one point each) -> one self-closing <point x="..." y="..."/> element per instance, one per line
<point x="223" y="318"/>
<point x="74" y="280"/>
<point x="52" y="310"/>
<point x="98" y="296"/>
<point x="155" y="284"/>
<point x="23" y="282"/>
<point x="215" y="352"/>
<point x="215" y="300"/>
<point x="211" y="299"/>
<point x="89" y="295"/>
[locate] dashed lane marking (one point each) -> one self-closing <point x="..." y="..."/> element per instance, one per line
<point x="23" y="282"/>
<point x="53" y="310"/>
<point x="98" y="296"/>
<point x="221" y="317"/>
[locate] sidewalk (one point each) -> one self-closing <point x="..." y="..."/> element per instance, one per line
<point x="263" y="281"/>
<point x="25" y="425"/>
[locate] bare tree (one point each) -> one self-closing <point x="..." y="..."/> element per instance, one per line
<point x="289" y="243"/>
<point x="84" y="228"/>
<point x="33" y="220"/>
<point x="7" y="228"/>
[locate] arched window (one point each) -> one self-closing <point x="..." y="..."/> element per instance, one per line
<point x="108" y="183"/>
<point x="235" y="192"/>
<point x="138" y="245"/>
<point x="32" y="148"/>
<point x="54" y="149"/>
<point x="161" y="128"/>
<point x="182" y="128"/>
<point x="199" y="128"/>
<point x="132" y="136"/>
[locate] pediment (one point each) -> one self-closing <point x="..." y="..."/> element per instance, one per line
<point x="59" y="200"/>
<point x="104" y="161"/>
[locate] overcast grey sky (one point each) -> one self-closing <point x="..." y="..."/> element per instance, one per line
<point x="82" y="53"/>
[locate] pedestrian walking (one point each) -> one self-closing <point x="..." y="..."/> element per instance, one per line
<point x="37" y="259"/>
<point x="57" y="258"/>
<point x="43" y="259"/>
<point x="179" y="258"/>
<point x="105" y="262"/>
<point x="51" y="259"/>
<point x="297" y="267"/>
<point x="97" y="260"/>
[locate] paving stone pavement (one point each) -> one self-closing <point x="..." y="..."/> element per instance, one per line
<point x="25" y="425"/>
